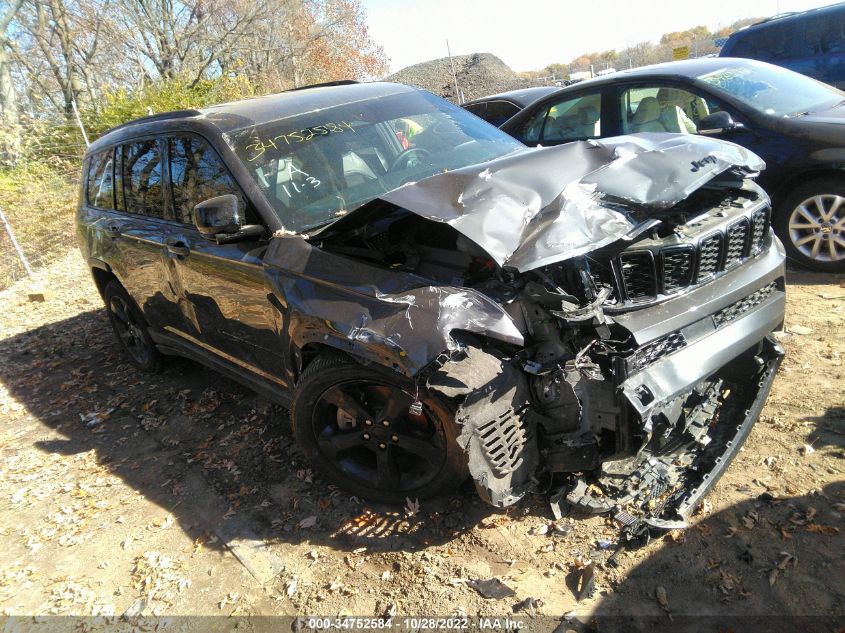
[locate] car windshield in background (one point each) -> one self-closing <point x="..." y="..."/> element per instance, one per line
<point x="773" y="90"/>
<point x="317" y="166"/>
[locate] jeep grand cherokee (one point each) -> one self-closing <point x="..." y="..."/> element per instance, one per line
<point x="432" y="299"/>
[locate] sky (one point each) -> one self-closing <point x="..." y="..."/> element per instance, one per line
<point x="530" y="34"/>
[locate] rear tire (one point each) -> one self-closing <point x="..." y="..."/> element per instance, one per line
<point x="811" y="223"/>
<point x="355" y="425"/>
<point x="131" y="329"/>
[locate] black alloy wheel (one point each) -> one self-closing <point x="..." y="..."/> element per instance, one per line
<point x="130" y="327"/>
<point x="365" y="430"/>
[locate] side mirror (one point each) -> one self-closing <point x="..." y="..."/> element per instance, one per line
<point x="221" y="214"/>
<point x="717" y="123"/>
<point x="221" y="219"/>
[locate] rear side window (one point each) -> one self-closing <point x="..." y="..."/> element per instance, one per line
<point x="100" y="185"/>
<point x="824" y="34"/>
<point x="568" y="120"/>
<point x="196" y="174"/>
<point x="142" y="181"/>
<point x="771" y="43"/>
<point x="478" y="109"/>
<point x="499" y="111"/>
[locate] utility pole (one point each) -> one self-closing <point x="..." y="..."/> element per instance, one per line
<point x="458" y="95"/>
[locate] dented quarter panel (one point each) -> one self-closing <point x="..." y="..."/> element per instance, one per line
<point x="395" y="319"/>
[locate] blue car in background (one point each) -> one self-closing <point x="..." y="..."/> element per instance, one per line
<point x="809" y="42"/>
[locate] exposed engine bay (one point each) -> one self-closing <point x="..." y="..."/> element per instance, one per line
<point x="646" y="354"/>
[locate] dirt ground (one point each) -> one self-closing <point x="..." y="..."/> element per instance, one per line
<point x="182" y="494"/>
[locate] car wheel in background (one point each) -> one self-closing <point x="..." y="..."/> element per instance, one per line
<point x="357" y="426"/>
<point x="130" y="327"/>
<point x="811" y="223"/>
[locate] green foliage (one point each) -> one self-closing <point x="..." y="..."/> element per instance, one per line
<point x="123" y="105"/>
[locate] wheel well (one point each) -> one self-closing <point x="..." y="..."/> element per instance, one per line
<point x="307" y="353"/>
<point x="801" y="178"/>
<point x="101" y="279"/>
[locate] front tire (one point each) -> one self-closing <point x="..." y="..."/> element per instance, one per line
<point x="356" y="426"/>
<point x="811" y="223"/>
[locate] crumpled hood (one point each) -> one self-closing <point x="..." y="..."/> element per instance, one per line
<point x="538" y="207"/>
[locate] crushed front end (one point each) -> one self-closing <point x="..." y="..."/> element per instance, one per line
<point x="640" y="283"/>
<point x="646" y="364"/>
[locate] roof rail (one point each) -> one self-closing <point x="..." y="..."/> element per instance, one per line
<point x="175" y="114"/>
<point x="772" y="18"/>
<point x="326" y="84"/>
<point x="787" y="14"/>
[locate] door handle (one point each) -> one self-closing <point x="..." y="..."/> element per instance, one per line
<point x="177" y="247"/>
<point x="112" y="231"/>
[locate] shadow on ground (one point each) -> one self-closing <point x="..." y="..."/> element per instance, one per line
<point x="764" y="564"/>
<point x="200" y="445"/>
<point x="830" y="428"/>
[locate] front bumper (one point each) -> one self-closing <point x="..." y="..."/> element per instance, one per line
<point x="662" y="489"/>
<point x="690" y="394"/>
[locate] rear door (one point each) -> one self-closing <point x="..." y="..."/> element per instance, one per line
<point x="140" y="227"/>
<point x="223" y="304"/>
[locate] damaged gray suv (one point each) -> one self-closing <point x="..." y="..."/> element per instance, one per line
<point x="431" y="299"/>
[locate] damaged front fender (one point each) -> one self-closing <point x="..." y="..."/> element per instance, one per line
<point x="395" y="319"/>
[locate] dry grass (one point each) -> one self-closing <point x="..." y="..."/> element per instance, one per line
<point x="39" y="203"/>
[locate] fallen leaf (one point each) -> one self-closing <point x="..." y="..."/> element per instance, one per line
<point x="307" y="522"/>
<point x="491" y="588"/>
<point x="411" y="507"/>
<point x="662" y="597"/>
<point x="801" y="330"/>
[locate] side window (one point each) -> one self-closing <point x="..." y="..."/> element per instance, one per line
<point x="661" y="109"/>
<point x="499" y="111"/>
<point x="771" y="43"/>
<point x="142" y="182"/>
<point x="196" y="174"/>
<point x="100" y="185"/>
<point x="478" y="109"/>
<point x="568" y="120"/>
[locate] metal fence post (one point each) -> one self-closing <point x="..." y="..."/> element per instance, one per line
<point x="17" y="246"/>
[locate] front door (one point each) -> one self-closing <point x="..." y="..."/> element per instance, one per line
<point x="224" y="306"/>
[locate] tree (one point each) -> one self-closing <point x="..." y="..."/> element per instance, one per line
<point x="308" y="41"/>
<point x="10" y="137"/>
<point x="8" y="102"/>
<point x="57" y="47"/>
<point x="169" y="39"/>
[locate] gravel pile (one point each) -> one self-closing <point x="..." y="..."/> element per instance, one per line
<point x="479" y="75"/>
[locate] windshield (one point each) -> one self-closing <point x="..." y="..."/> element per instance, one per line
<point x="317" y="166"/>
<point x="774" y="90"/>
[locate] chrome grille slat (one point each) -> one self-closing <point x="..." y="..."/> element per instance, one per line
<point x="737" y="240"/>
<point x="677" y="268"/>
<point x="709" y="257"/>
<point x="650" y="271"/>
<point x="759" y="227"/>
<point x="639" y="275"/>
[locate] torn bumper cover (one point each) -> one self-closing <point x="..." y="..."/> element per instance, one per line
<point x="676" y="410"/>
<point x="664" y="484"/>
